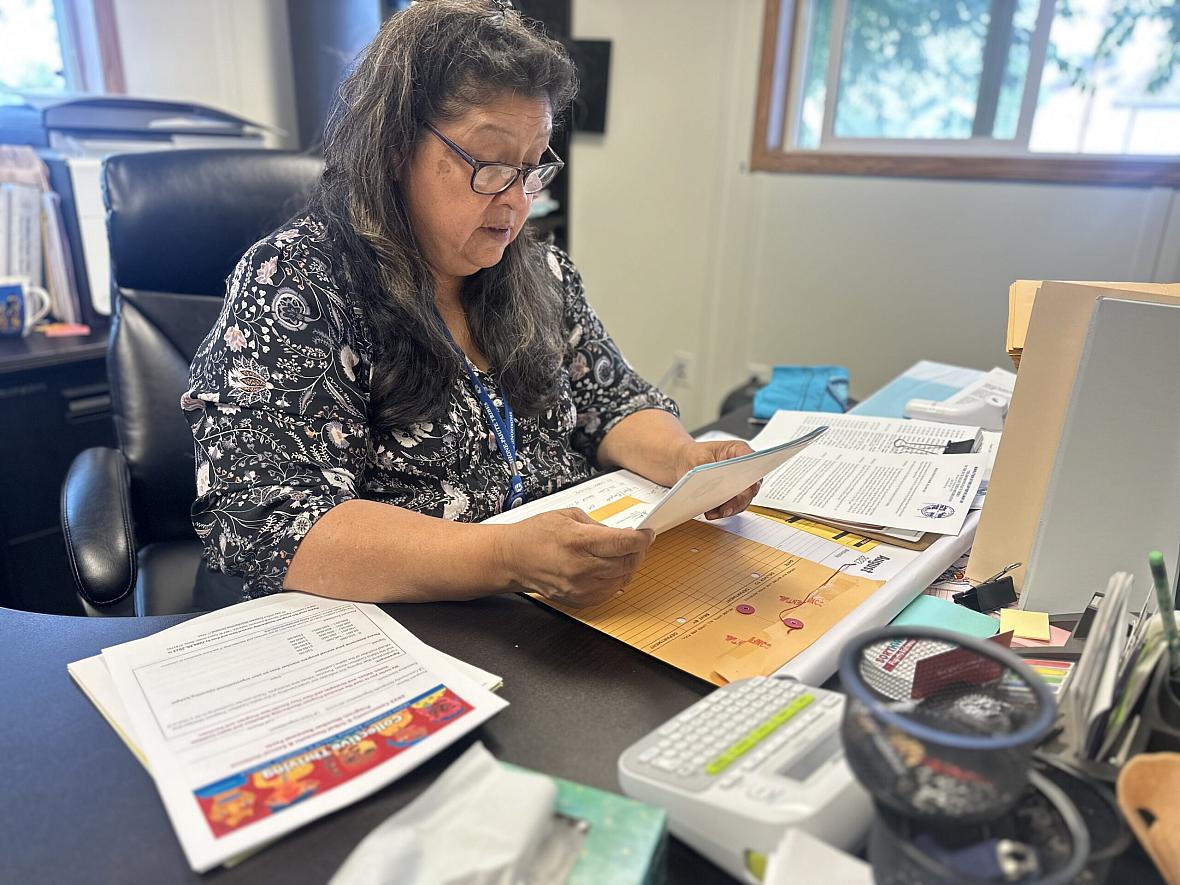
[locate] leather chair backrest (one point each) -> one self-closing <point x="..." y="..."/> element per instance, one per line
<point x="178" y="222"/>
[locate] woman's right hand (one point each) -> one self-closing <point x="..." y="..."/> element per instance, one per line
<point x="569" y="558"/>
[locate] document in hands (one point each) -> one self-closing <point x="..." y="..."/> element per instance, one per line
<point x="259" y="718"/>
<point x="625" y="500"/>
<point x="711" y="485"/>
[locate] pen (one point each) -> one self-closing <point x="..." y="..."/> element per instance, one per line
<point x="1163" y="594"/>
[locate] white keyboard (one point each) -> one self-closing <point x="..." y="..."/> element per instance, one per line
<point x="743" y="764"/>
<point x="731" y="732"/>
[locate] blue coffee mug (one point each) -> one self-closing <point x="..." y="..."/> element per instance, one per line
<point x="21" y="306"/>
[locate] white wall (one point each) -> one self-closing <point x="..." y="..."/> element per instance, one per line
<point x="234" y="55"/>
<point x="645" y="204"/>
<point x="683" y="249"/>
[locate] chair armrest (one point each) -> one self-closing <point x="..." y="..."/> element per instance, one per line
<point x="100" y="536"/>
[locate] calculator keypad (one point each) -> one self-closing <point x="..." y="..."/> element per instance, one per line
<point x="725" y="736"/>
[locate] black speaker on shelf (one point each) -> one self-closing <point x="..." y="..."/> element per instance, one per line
<point x="325" y="40"/>
<point x="593" y="60"/>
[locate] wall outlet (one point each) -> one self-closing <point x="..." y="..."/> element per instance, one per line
<point x="683" y="372"/>
<point x="761" y="371"/>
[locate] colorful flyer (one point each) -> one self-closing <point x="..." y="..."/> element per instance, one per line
<point x="259" y="718"/>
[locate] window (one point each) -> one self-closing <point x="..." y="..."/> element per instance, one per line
<point x="1081" y="90"/>
<point x="30" y="48"/>
<point x="59" y="46"/>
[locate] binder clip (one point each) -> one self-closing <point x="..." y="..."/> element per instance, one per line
<point x="950" y="447"/>
<point x="996" y="592"/>
<point x="963" y="447"/>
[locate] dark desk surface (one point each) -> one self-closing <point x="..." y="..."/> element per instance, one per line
<point x="78" y="807"/>
<point x="38" y="351"/>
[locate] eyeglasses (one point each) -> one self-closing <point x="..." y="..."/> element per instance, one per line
<point x="495" y="178"/>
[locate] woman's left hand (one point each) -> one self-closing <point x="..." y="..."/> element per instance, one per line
<point x="694" y="454"/>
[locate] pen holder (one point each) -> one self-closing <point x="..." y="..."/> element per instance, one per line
<point x="940" y="726"/>
<point x="1044" y="840"/>
<point x="1160" y="720"/>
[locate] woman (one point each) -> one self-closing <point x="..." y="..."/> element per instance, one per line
<point x="403" y="360"/>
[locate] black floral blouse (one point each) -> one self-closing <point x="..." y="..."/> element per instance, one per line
<point x="279" y="401"/>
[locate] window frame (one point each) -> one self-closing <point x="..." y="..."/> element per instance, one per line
<point x="91" y="56"/>
<point x="779" y="78"/>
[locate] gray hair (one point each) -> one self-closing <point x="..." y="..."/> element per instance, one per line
<point x="432" y="63"/>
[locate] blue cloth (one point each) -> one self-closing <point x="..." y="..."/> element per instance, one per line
<point x="803" y="389"/>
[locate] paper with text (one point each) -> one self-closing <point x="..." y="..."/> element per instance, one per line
<point x="916" y="492"/>
<point x="864" y="434"/>
<point x="261" y="717"/>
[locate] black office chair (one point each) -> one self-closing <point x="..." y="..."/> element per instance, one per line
<point x="178" y="223"/>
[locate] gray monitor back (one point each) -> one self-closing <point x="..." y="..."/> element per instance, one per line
<point x="1114" y="494"/>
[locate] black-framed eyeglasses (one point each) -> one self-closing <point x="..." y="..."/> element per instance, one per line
<point x="490" y="179"/>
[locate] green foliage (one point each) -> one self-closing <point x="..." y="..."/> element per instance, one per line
<point x="919" y="63"/>
<point x="1124" y="19"/>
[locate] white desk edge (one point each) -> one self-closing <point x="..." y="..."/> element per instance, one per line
<point x="819" y="661"/>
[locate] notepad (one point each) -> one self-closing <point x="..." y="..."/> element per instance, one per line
<point x="1025" y="624"/>
<point x="1058" y="637"/>
<point x="930" y="611"/>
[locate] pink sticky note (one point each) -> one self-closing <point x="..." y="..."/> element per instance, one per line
<point x="1057" y="638"/>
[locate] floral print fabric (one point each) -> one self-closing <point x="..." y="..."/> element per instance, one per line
<point x="278" y="404"/>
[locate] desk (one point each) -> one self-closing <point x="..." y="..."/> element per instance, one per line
<point x="78" y="807"/>
<point x="54" y="402"/>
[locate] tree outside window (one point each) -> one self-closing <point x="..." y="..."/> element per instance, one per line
<point x="1019" y="79"/>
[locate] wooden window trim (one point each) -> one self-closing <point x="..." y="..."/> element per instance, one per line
<point x="110" y="52"/>
<point x="767" y="153"/>
<point x="97" y="63"/>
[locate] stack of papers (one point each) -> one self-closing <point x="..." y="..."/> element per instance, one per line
<point x="877" y="475"/>
<point x="1021" y="296"/>
<point x="259" y="718"/>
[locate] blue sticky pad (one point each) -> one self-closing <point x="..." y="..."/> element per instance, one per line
<point x="930" y="611"/>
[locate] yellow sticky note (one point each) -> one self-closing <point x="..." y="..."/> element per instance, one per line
<point x="1025" y="625"/>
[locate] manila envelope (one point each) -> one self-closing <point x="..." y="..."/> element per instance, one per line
<point x="1022" y="295"/>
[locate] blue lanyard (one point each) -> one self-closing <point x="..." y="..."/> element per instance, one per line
<point x="503" y="427"/>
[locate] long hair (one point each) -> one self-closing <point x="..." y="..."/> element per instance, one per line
<point x="428" y="64"/>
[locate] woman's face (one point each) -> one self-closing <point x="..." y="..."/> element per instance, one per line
<point x="458" y="230"/>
